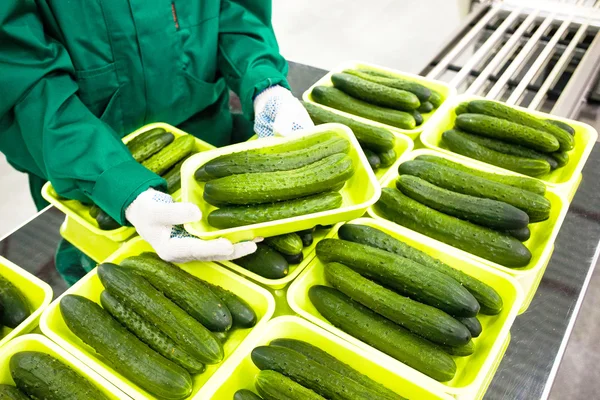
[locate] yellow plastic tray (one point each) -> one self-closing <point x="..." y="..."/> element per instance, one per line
<point x="441" y="87"/>
<point x="239" y="372"/>
<point x="80" y="212"/>
<point x="360" y="191"/>
<point x="42" y="344"/>
<point x="543" y="234"/>
<point x="37" y="292"/>
<point x="53" y="325"/>
<point x="563" y="179"/>
<point x="97" y="247"/>
<point x="472" y="372"/>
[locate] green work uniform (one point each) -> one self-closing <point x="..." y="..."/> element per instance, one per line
<point x="76" y="76"/>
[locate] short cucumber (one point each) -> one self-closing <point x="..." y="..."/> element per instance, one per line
<point x="173" y="176"/>
<point x="265" y="262"/>
<point x="483" y="242"/>
<point x="335" y="98"/>
<point x="170" y="155"/>
<point x="418" y="117"/>
<point x="508" y="113"/>
<point x="242" y="313"/>
<point x="373" y="159"/>
<point x="138" y="294"/>
<point x="481" y="211"/>
<point x="422" y="92"/>
<point x="290" y="243"/>
<point x="522" y="234"/>
<point x="473" y="325"/>
<point x="563" y="125"/>
<point x="425" y="108"/>
<point x="106" y="222"/>
<point x="561" y="157"/>
<point x="509" y="131"/>
<point x="388" y="158"/>
<point x="461" y="351"/>
<point x="94" y="211"/>
<point x="375" y="93"/>
<point x="529" y="184"/>
<point x="405" y="276"/>
<point x="16" y="305"/>
<point x="123" y="351"/>
<point x="423" y="320"/>
<point x="150" y="334"/>
<point x="8" y="392"/>
<point x="272" y="385"/>
<point x="202" y="176"/>
<point x="180" y="286"/>
<point x="245" y="394"/>
<point x="489" y="300"/>
<point x="307" y="237"/>
<point x="536" y="206"/>
<point x="148" y="143"/>
<point x="381" y="333"/>
<point x="436" y="98"/>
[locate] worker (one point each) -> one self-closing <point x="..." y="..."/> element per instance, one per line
<point x="77" y="76"/>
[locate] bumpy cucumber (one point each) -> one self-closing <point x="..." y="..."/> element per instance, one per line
<point x="422" y="92"/>
<point x="173" y="176"/>
<point x="522" y="234"/>
<point x="373" y="159"/>
<point x="265" y="262"/>
<point x="563" y="125"/>
<point x="148" y="143"/>
<point x="473" y="325"/>
<point x="387" y="158"/>
<point x="561" y="157"/>
<point x="242" y="313"/>
<point x="8" y="392"/>
<point x="170" y="155"/>
<point x="290" y="243"/>
<point x="245" y="394"/>
<point x="461" y="351"/>
<point x="436" y="99"/>
<point x="425" y="108"/>
<point x="221" y="336"/>
<point x="272" y="385"/>
<point x="16" y="306"/>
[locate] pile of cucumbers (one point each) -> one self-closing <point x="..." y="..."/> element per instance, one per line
<point x="14" y="307"/>
<point x="483" y="213"/>
<point x="292" y="179"/>
<point x="38" y="375"/>
<point x="160" y="152"/>
<point x="158" y="325"/>
<point x="506" y="137"/>
<point x="296" y="370"/>
<point x="400" y="300"/>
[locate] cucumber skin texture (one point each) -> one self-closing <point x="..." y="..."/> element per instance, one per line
<point x="324" y="145"/>
<point x="498" y="128"/>
<point x="202" y="176"/>
<point x="483" y="242"/>
<point x="310" y="374"/>
<point x="459" y="143"/>
<point x="148" y="143"/>
<point x="272" y="385"/>
<point x="529" y="184"/>
<point x="124" y="351"/>
<point x="190" y="294"/>
<point x="170" y="155"/>
<point x="245" y="394"/>
<point x="485" y="212"/>
<point x="473" y="325"/>
<point x="407" y="277"/>
<point x="422" y="92"/>
<point x="138" y="294"/>
<point x="462" y="351"/>
<point x="16" y="306"/>
<point x="335" y="98"/>
<point x="505" y="112"/>
<point x="289" y="244"/>
<point x="379" y="332"/>
<point x="265" y="262"/>
<point x="373" y="159"/>
<point x="270" y="187"/>
<point x="242" y="313"/>
<point x="42" y="376"/>
<point x="388" y="158"/>
<point x="489" y="300"/>
<point x="8" y="392"/>
<point x="561" y="157"/>
<point x="563" y="125"/>
<point x="420" y="319"/>
<point x="325" y="359"/>
<point x="375" y="93"/>
<point x="149" y="334"/>
<point x="173" y="176"/>
<point x="462" y="108"/>
<point x="231" y="216"/>
<point x="536" y="206"/>
<point x="522" y="235"/>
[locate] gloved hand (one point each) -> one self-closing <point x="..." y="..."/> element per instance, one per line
<point x="156" y="218"/>
<point x="276" y="110"/>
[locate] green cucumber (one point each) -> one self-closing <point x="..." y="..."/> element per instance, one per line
<point x="481" y="211"/>
<point x="522" y="234"/>
<point x="8" y="392"/>
<point x="245" y="394"/>
<point x="375" y="93"/>
<point x="536" y="206"/>
<point x="489" y="300"/>
<point x="307" y="236"/>
<point x="221" y="336"/>
<point x="423" y="320"/>
<point x="381" y="333"/>
<point x="150" y="334"/>
<point x="170" y="155"/>
<point x="483" y="242"/>
<point x="418" y="117"/>
<point x="214" y="202"/>
<point x="123" y="351"/>
<point x="373" y="159"/>
<point x="173" y="176"/>
<point x="405" y="276"/>
<point x="369" y="136"/>
<point x="335" y="98"/>
<point x="106" y="222"/>
<point x="289" y="244"/>
<point x="505" y="130"/>
<point x="242" y="313"/>
<point x="462" y="108"/>
<point x="201" y="175"/>
<point x="272" y="385"/>
<point x="138" y="294"/>
<point x="244" y="162"/>
<point x="388" y="158"/>
<point x="392" y="81"/>
<point x="94" y="211"/>
<point x="267" y="187"/>
<point x="149" y="143"/>
<point x="505" y="112"/>
<point x="461" y="351"/>
<point x="425" y="108"/>
<point x="473" y="325"/>
<point x="265" y="262"/>
<point x="16" y="305"/>
<point x="436" y="98"/>
<point x="294" y="259"/>
<point x="529" y="184"/>
<point x="562" y="125"/>
<point x="561" y="157"/>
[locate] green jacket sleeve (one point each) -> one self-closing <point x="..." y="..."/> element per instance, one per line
<point x="45" y="125"/>
<point x="249" y="56"/>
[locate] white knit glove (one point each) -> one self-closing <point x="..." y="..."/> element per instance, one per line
<point x="157" y="218"/>
<point x="276" y="110"/>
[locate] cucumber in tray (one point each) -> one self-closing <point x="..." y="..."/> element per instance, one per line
<point x="460" y="351"/>
<point x="381" y="333"/>
<point x="483" y="242"/>
<point x="405" y="276"/>
<point x="289" y="244"/>
<point x="561" y="158"/>
<point x="373" y="159"/>
<point x="245" y="394"/>
<point x="170" y="155"/>
<point x="422" y="92"/>
<point x="9" y="392"/>
<point x="522" y="234"/>
<point x="265" y="262"/>
<point x="149" y="143"/>
<point x="563" y="125"/>
<point x="387" y="158"/>
<point x="242" y="313"/>
<point x="473" y="325"/>
<point x="15" y="304"/>
<point x="489" y="300"/>
<point x="272" y="385"/>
